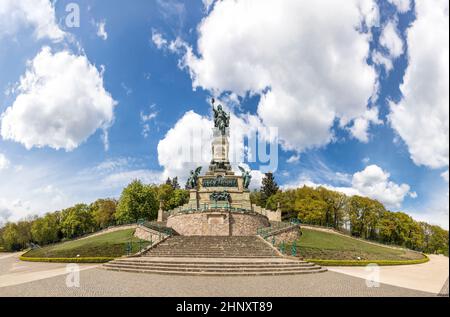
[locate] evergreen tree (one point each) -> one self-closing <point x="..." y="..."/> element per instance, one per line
<point x="269" y="187"/>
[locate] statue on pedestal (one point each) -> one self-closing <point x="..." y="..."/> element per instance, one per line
<point x="246" y="177"/>
<point x="221" y="118"/>
<point x="193" y="178"/>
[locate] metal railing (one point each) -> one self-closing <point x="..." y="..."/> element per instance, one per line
<point x="153" y="225"/>
<point x="209" y="207"/>
<point x="277" y="226"/>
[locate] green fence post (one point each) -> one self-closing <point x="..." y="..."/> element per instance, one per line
<point x="294" y="249"/>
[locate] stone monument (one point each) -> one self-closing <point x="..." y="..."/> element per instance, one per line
<point x="219" y="201"/>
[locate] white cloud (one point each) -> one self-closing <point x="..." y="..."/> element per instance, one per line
<point x="371" y="182"/>
<point x="421" y="117"/>
<point x="186" y="146"/>
<point x="315" y="64"/>
<point x="158" y="39"/>
<point x="380" y="59"/>
<point x="390" y="39"/>
<point x="145" y="119"/>
<point x="444" y="175"/>
<point x="207" y="4"/>
<point x="38" y="14"/>
<point x="374" y="183"/>
<point x="122" y="179"/>
<point x="359" y="129"/>
<point x="61" y="103"/>
<point x="294" y="158"/>
<point x="4" y="162"/>
<point x="403" y="6"/>
<point x="101" y="31"/>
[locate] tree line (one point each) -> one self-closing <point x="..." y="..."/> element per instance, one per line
<point x="137" y="201"/>
<point x="359" y="216"/>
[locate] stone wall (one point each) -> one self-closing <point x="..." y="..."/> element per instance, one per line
<point x="287" y="235"/>
<point x="247" y="224"/>
<point x="217" y="223"/>
<point x="273" y="215"/>
<point x="148" y="234"/>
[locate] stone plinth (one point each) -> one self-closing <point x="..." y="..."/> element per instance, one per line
<point x="217" y="223"/>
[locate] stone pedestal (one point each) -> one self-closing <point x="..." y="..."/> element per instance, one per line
<point x="217" y="223"/>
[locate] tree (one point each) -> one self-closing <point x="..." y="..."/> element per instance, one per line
<point x="165" y="193"/>
<point x="137" y="201"/>
<point x="103" y="211"/>
<point x="46" y="230"/>
<point x="179" y="197"/>
<point x="335" y="204"/>
<point x="175" y="183"/>
<point x="16" y="236"/>
<point x="76" y="221"/>
<point x="364" y="214"/>
<point x="269" y="187"/>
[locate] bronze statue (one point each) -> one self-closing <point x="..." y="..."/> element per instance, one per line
<point x="221" y="118"/>
<point x="246" y="177"/>
<point x="193" y="178"/>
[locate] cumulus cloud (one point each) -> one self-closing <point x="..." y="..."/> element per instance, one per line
<point x="101" y="31"/>
<point x="158" y="39"/>
<point x="360" y="127"/>
<point x="4" y="162"/>
<point x="381" y="59"/>
<point x="421" y="117"/>
<point x="38" y="14"/>
<point x="61" y="103"/>
<point x="390" y="39"/>
<point x="403" y="6"/>
<point x="374" y="183"/>
<point x="371" y="182"/>
<point x="313" y="72"/>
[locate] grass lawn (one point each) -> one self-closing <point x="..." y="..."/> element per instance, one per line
<point x="315" y="244"/>
<point x="106" y="245"/>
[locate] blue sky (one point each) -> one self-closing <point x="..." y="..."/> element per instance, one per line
<point x="159" y="62"/>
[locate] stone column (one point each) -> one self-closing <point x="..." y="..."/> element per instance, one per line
<point x="160" y="211"/>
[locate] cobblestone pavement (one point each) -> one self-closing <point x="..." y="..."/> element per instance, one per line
<point x="444" y="290"/>
<point x="99" y="282"/>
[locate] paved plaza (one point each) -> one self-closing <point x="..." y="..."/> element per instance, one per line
<point x="19" y="278"/>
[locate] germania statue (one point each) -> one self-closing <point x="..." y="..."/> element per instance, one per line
<point x="221" y="118"/>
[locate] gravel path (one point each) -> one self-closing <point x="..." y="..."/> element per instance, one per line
<point x="99" y="282"/>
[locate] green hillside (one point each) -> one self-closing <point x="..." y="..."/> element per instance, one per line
<point x="314" y="244"/>
<point x="106" y="245"/>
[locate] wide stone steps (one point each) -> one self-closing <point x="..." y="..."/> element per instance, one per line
<point x="214" y="268"/>
<point x="213" y="256"/>
<point x="212" y="246"/>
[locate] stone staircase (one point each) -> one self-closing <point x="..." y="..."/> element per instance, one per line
<point x="213" y="247"/>
<point x="213" y="256"/>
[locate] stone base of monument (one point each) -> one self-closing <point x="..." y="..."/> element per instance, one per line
<point x="213" y="256"/>
<point x="217" y="223"/>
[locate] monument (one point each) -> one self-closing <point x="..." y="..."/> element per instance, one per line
<point x="219" y="201"/>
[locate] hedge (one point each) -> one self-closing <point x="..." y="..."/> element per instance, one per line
<point x="366" y="262"/>
<point x="69" y="260"/>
